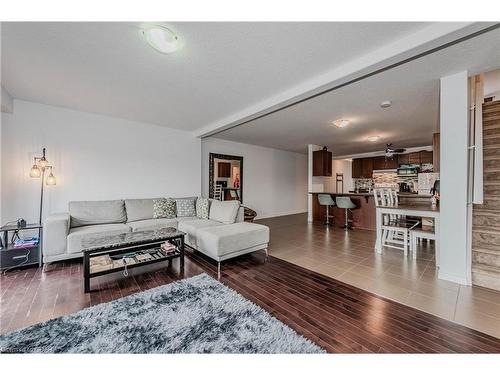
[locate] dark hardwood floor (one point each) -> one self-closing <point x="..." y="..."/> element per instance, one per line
<point x="338" y="317"/>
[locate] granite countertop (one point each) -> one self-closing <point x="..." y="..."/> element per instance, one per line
<point x="109" y="241"/>
<point x="343" y="194"/>
<point x="405" y="195"/>
<point x="414" y="206"/>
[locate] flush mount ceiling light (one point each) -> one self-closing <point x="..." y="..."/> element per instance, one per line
<point x="342" y="123"/>
<point x="161" y="39"/>
<point x="385" y="104"/>
<point x="373" y="138"/>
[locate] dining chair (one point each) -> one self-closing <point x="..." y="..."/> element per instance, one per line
<point x="425" y="232"/>
<point x="395" y="229"/>
<point x="218" y="192"/>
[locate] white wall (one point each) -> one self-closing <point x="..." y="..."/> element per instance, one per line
<point x="454" y="210"/>
<point x="95" y="157"/>
<point x="274" y="181"/>
<point x="7" y="102"/>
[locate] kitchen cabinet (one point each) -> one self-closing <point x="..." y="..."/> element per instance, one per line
<point x="223" y="170"/>
<point x="381" y="163"/>
<point x="357" y="168"/>
<point x="367" y="167"/>
<point x="403" y="159"/>
<point x="414" y="158"/>
<point x="322" y="163"/>
<point x="362" y="168"/>
<point x="392" y="163"/>
<point x="426" y="157"/>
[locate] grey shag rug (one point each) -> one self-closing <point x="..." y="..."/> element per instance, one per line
<point x="195" y="315"/>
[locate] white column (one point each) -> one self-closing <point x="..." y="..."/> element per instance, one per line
<point x="311" y="186"/>
<point x="454" y="230"/>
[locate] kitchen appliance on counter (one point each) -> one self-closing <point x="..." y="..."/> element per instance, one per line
<point x="408" y="171"/>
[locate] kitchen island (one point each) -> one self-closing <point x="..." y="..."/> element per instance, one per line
<point x="364" y="215"/>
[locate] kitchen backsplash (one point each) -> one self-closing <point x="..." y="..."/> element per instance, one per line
<point x="363" y="184"/>
<point x="385" y="179"/>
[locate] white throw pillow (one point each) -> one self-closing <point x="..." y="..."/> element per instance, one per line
<point x="224" y="211"/>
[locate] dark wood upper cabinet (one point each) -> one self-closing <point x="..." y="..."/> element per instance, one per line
<point x="223" y="170"/>
<point x="379" y="163"/>
<point x="414" y="158"/>
<point x="367" y="167"/>
<point x="392" y="163"/>
<point x="403" y="159"/>
<point x="357" y="168"/>
<point x="426" y="157"/>
<point x="322" y="163"/>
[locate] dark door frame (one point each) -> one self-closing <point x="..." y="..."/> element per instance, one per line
<point x="211" y="158"/>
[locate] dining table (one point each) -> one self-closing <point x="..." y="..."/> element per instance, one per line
<point x="416" y="210"/>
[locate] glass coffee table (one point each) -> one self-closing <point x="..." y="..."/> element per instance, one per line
<point x="109" y="253"/>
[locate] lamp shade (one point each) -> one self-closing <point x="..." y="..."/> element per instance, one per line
<point x="42" y="163"/>
<point x="51" y="179"/>
<point x="35" y="171"/>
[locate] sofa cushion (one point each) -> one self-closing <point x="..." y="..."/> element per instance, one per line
<point x="191" y="226"/>
<point x="202" y="207"/>
<point x="139" y="209"/>
<point x="186" y="218"/>
<point x="163" y="208"/>
<point x="96" y="212"/>
<point x="152" y="224"/>
<point x="76" y="235"/>
<point x="224" y="211"/>
<point x="221" y="240"/>
<point x="185" y="207"/>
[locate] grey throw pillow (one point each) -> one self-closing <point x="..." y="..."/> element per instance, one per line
<point x="202" y="206"/>
<point x="186" y="207"/>
<point x="164" y="208"/>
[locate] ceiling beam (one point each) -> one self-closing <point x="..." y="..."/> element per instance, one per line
<point x="423" y="42"/>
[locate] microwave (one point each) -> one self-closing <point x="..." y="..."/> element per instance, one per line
<point x="408" y="171"/>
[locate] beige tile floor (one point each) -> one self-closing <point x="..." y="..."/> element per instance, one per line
<point x="349" y="257"/>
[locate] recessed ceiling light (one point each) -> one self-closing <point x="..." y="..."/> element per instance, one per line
<point x="373" y="138"/>
<point x="348" y="159"/>
<point x="386" y="104"/>
<point x="342" y="123"/>
<point x="161" y="39"/>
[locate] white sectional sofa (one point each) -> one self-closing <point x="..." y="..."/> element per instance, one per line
<point x="222" y="236"/>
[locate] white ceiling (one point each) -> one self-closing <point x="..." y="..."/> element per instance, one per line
<point x="107" y="68"/>
<point x="413" y="89"/>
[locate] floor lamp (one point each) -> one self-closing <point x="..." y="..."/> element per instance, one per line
<point x="40" y="165"/>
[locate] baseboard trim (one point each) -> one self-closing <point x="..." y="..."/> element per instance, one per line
<point x="453" y="278"/>
<point x="295" y="212"/>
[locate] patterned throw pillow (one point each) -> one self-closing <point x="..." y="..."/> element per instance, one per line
<point x="186" y="207"/>
<point x="202" y="206"/>
<point x="164" y="208"/>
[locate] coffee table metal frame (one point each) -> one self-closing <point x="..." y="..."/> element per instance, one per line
<point x="177" y="240"/>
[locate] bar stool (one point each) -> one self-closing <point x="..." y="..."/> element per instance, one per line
<point x="347" y="204"/>
<point x="326" y="200"/>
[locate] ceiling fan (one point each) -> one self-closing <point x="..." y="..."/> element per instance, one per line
<point x="390" y="151"/>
